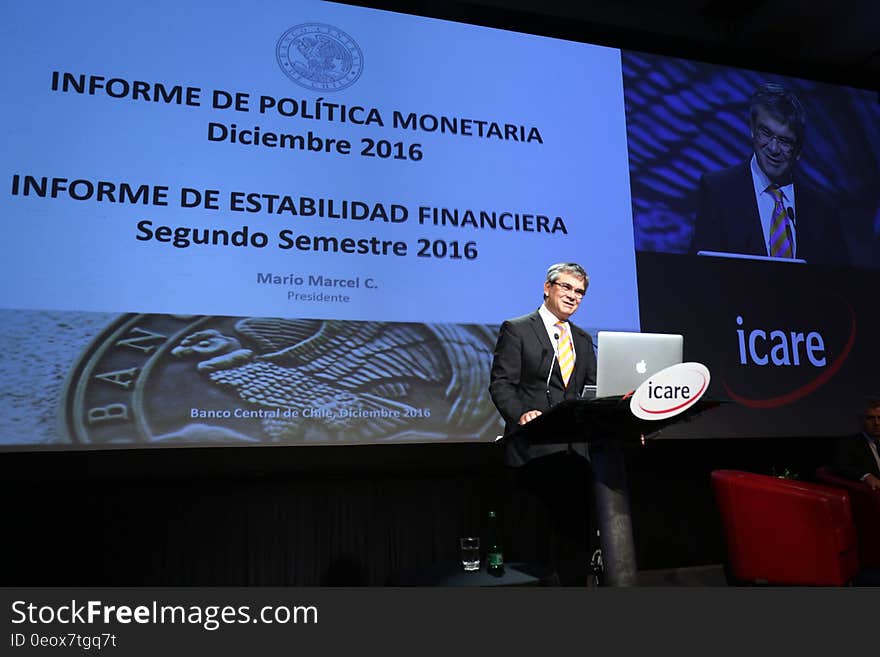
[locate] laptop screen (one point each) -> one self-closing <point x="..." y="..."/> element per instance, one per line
<point x="625" y="360"/>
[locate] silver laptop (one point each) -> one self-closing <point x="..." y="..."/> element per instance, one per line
<point x="627" y="359"/>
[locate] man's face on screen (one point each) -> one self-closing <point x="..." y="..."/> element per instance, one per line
<point x="564" y="295"/>
<point x="775" y="145"/>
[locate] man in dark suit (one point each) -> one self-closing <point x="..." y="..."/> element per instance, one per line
<point x="540" y="360"/>
<point x="858" y="457"/>
<point x="762" y="207"/>
<point x="523" y="383"/>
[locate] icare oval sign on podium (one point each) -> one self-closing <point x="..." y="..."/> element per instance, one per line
<point x="670" y="391"/>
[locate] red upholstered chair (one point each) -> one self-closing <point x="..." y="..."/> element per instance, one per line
<point x="865" y="505"/>
<point x="781" y="531"/>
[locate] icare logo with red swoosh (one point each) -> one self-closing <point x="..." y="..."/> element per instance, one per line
<point x="803" y="351"/>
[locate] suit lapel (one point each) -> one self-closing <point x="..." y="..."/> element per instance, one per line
<point x="871" y="446"/>
<point x="546" y="344"/>
<point x="744" y="207"/>
<point x="582" y="349"/>
<point x="540" y="331"/>
<point x="804" y="222"/>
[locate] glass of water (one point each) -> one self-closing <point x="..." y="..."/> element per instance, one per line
<point x="470" y="552"/>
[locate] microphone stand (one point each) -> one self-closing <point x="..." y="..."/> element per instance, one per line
<point x="550" y="373"/>
<point x="791" y="223"/>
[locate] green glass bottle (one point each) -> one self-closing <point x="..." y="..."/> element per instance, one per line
<point x="494" y="550"/>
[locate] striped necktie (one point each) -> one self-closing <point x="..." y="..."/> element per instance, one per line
<point x="780" y="240"/>
<point x="566" y="352"/>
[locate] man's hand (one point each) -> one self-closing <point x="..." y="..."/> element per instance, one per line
<point x="528" y="416"/>
<point x="872" y="481"/>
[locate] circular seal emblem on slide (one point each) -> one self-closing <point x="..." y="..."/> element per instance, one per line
<point x="319" y="57"/>
<point x="670" y="391"/>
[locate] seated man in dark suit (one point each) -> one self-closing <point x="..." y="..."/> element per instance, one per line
<point x="540" y="360"/>
<point x="761" y="206"/>
<point x="858" y="457"/>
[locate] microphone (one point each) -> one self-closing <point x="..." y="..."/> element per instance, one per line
<point x="791" y="223"/>
<point x="550" y="373"/>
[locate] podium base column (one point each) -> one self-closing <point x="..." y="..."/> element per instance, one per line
<point x="613" y="515"/>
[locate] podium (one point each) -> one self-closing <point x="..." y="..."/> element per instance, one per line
<point x="605" y="424"/>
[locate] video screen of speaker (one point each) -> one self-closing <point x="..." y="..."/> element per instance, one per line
<point x="304" y="225"/>
<point x="756" y="210"/>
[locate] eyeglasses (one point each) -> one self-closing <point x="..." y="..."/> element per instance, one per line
<point x="785" y="144"/>
<point x="576" y="291"/>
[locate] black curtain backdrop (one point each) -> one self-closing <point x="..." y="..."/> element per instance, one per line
<point x="324" y="516"/>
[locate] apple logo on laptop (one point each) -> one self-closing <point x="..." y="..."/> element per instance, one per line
<point x="641" y="366"/>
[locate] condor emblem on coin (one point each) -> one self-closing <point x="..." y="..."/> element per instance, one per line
<point x="319" y="57"/>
